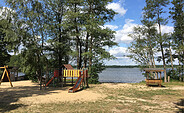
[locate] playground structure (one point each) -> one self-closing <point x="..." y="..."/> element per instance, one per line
<point x="5" y="73"/>
<point x="82" y="80"/>
<point x="69" y="71"/>
<point x="154" y="79"/>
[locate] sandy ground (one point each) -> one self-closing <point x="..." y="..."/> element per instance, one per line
<point x="26" y="92"/>
<point x="138" y="87"/>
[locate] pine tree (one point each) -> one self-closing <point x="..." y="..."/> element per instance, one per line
<point x="96" y="15"/>
<point x="177" y="14"/>
<point x="59" y="41"/>
<point x="155" y="9"/>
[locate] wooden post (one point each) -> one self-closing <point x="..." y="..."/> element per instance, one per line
<point x="147" y="75"/>
<point x="87" y="78"/>
<point x="8" y="77"/>
<point x="72" y="80"/>
<point x="2" y="77"/>
<point x="64" y="81"/>
<point x="168" y="78"/>
<point x="153" y="74"/>
<point x="83" y="79"/>
<point x="62" y="75"/>
<point x="5" y="71"/>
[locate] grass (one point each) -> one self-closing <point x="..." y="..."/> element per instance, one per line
<point x="131" y="99"/>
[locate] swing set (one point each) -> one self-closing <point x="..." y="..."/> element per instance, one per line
<point x="5" y="72"/>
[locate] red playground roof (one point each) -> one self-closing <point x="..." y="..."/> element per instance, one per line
<point x="68" y="66"/>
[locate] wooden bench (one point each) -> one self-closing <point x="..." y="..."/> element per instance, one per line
<point x="153" y="81"/>
<point x="156" y="79"/>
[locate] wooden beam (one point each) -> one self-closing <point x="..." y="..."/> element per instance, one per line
<point x="8" y="77"/>
<point x="2" y="77"/>
<point x="5" y="71"/>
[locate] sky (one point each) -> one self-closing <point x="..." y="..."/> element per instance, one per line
<point x="129" y="16"/>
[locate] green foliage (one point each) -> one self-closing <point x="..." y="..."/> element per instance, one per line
<point x="51" y="33"/>
<point x="147" y="41"/>
<point x="177" y="14"/>
<point x="141" y="48"/>
<point x="15" y="60"/>
<point x="6" y="31"/>
<point x="96" y="68"/>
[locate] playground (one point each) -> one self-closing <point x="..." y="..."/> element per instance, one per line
<point x="25" y="96"/>
<point x="57" y="78"/>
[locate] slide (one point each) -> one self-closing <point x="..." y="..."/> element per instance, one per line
<point x="77" y="84"/>
<point x="50" y="81"/>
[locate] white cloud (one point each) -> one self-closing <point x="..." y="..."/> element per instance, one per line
<point x="117" y="8"/>
<point x="120" y="61"/>
<point x="113" y="27"/>
<point x="118" y="51"/>
<point x="166" y="29"/>
<point x="121" y="36"/>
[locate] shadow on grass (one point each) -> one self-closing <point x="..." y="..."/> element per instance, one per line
<point x="9" y="96"/>
<point x="180" y="106"/>
<point x="5" y="107"/>
<point x="152" y="85"/>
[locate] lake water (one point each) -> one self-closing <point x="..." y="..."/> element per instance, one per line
<point x="21" y="74"/>
<point x="123" y="75"/>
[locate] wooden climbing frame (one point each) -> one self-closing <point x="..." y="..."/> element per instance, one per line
<point x="5" y="72"/>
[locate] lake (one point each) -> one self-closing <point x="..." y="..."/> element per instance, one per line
<point x="121" y="75"/>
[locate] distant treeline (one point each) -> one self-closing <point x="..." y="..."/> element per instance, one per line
<point x="134" y="66"/>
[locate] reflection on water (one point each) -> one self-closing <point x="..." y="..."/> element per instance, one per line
<point x="123" y="75"/>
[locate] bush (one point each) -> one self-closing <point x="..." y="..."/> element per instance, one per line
<point x="176" y="74"/>
<point x="96" y="68"/>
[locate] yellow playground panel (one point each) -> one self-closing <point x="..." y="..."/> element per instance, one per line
<point x="71" y="73"/>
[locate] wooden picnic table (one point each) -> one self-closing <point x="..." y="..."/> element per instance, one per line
<point x="156" y="79"/>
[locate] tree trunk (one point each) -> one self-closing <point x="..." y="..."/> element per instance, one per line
<point x="80" y="55"/>
<point x="59" y="18"/>
<point x="150" y="50"/>
<point x="77" y="41"/>
<point x="179" y="67"/>
<point x="164" y="65"/>
<point x="171" y="58"/>
<point x="162" y="51"/>
<point x="77" y="55"/>
<point x="86" y="49"/>
<point x="90" y="54"/>
<point x="59" y="51"/>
